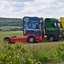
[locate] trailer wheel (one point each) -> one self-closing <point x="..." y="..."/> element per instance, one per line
<point x="31" y="39"/>
<point x="7" y="40"/>
<point x="51" y="38"/>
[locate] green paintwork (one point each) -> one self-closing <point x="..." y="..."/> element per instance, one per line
<point x="48" y="26"/>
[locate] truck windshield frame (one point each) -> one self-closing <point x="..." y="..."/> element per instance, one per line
<point x="33" y="25"/>
<point x="59" y="25"/>
<point x="54" y="24"/>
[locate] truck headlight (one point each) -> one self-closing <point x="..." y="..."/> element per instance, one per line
<point x="45" y="36"/>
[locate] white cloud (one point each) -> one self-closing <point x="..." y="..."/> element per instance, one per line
<point x="20" y="8"/>
<point x="19" y="0"/>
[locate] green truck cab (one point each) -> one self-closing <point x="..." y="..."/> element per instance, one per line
<point x="53" y="29"/>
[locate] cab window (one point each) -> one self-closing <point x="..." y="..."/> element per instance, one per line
<point x="54" y="24"/>
<point x="59" y="25"/>
<point x="33" y="26"/>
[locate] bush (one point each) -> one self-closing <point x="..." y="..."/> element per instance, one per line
<point x="60" y="52"/>
<point x="0" y="29"/>
<point x="19" y="55"/>
<point x="16" y="29"/>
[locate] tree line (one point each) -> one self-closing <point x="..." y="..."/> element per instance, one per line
<point x="11" y="22"/>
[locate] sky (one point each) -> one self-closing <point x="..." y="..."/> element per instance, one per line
<point x="39" y="8"/>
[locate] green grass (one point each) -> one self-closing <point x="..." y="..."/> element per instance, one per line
<point x="46" y="48"/>
<point x="8" y="28"/>
<point x="11" y="33"/>
<point x="41" y="53"/>
<point x="50" y="45"/>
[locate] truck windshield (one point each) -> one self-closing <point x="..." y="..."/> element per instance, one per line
<point x="54" y="24"/>
<point x="59" y="25"/>
<point x="33" y="26"/>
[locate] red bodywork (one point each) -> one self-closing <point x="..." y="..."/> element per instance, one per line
<point x="25" y="38"/>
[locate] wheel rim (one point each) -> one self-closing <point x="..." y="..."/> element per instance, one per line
<point x="51" y="39"/>
<point x="31" y="40"/>
<point x="6" y="41"/>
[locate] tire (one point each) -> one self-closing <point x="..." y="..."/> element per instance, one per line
<point x="31" y="39"/>
<point x="7" y="40"/>
<point x="51" y="38"/>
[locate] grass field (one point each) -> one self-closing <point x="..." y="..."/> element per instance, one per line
<point x="9" y="28"/>
<point x="45" y="51"/>
<point x="51" y="45"/>
<point x="12" y="33"/>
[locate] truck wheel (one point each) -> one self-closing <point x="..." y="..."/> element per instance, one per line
<point x="31" y="39"/>
<point x="51" y="38"/>
<point x="7" y="40"/>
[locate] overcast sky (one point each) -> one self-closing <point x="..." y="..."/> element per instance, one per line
<point x="40" y="8"/>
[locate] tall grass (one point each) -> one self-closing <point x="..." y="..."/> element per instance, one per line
<point x="35" y="53"/>
<point x="20" y="55"/>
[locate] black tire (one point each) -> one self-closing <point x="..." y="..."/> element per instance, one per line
<point x="51" y="38"/>
<point x="7" y="40"/>
<point x="31" y="39"/>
